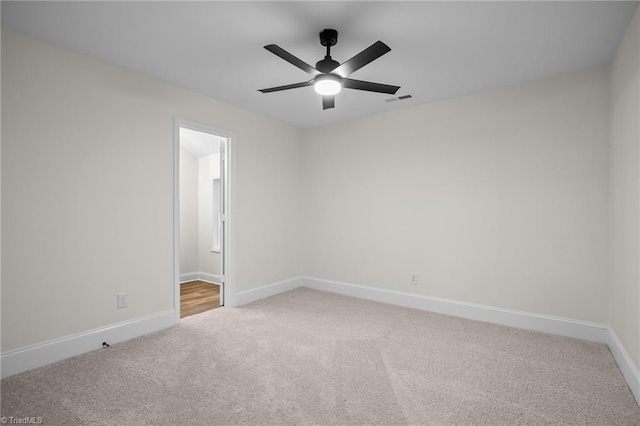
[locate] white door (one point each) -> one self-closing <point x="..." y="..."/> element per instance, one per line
<point x="222" y="216"/>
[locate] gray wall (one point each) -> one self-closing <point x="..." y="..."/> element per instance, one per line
<point x="625" y="191"/>
<point x="87" y="192"/>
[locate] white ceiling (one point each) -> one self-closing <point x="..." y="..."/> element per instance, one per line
<point x="439" y="49"/>
<point x="198" y="143"/>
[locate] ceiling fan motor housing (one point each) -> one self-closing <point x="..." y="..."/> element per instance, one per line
<point x="328" y="37"/>
<point x="326" y="65"/>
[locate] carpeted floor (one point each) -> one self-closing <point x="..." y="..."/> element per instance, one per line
<point x="310" y="357"/>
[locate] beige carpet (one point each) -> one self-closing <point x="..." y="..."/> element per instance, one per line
<point x="310" y="357"/>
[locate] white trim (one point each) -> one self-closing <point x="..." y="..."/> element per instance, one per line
<point x="529" y="321"/>
<point x="41" y="354"/>
<point x="216" y="223"/>
<point x="176" y="219"/>
<point x="210" y="278"/>
<point x="200" y="276"/>
<point x="27" y="358"/>
<point x="268" y="290"/>
<point x="188" y="277"/>
<point x="229" y="267"/>
<point x="593" y="332"/>
<point x="230" y="231"/>
<point x="584" y="330"/>
<point x="627" y="366"/>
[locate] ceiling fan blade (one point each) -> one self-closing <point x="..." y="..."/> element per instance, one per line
<point x="279" y="51"/>
<point x="349" y="83"/>
<point x="287" y="87"/>
<point x="368" y="55"/>
<point x="328" y="102"/>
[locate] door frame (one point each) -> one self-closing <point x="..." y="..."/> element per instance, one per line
<point x="227" y="245"/>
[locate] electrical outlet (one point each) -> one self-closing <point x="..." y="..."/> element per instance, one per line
<point x="414" y="280"/>
<point x="123" y="300"/>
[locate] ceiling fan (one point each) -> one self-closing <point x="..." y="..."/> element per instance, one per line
<point x="329" y="76"/>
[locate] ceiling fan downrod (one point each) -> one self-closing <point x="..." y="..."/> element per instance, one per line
<point x="328" y="38"/>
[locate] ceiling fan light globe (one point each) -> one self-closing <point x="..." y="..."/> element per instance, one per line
<point x="327" y="86"/>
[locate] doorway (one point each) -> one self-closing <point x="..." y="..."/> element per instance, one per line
<point x="202" y="207"/>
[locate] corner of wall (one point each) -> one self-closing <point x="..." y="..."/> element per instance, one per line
<point x="624" y="203"/>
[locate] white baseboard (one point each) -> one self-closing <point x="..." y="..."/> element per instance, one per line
<point x="199" y="276"/>
<point x="30" y="357"/>
<point x="188" y="277"/>
<point x="268" y="290"/>
<point x="593" y="332"/>
<point x="210" y="278"/>
<point x="627" y="366"/>
<point x="16" y="361"/>
<point x="528" y="321"/>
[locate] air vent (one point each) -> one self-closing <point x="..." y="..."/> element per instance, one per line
<point x="399" y="98"/>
